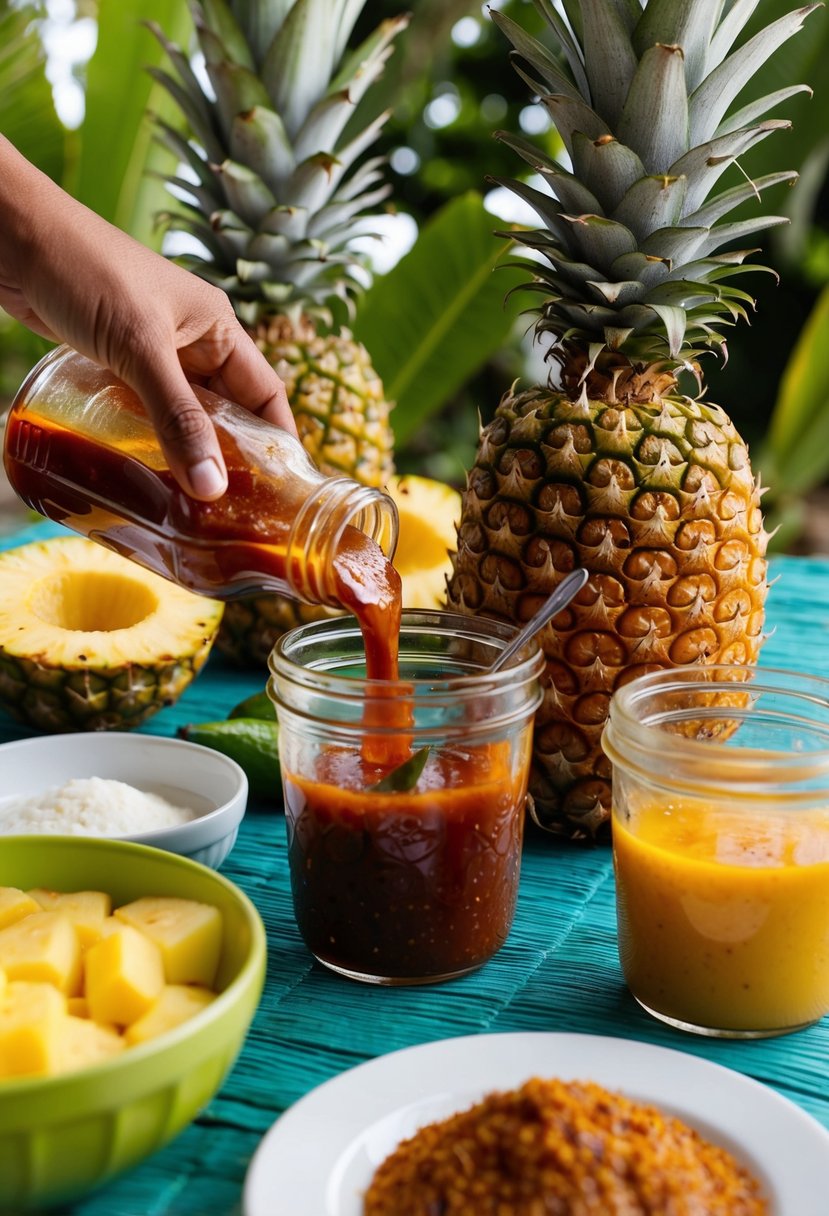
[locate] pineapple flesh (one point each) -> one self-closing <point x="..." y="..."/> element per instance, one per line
<point x="90" y="641"/>
<point x="277" y="190"/>
<point x="610" y="465"/>
<point x="428" y="512"/>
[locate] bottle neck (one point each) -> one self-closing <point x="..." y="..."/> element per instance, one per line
<point x="319" y="532"/>
<point x="280" y="510"/>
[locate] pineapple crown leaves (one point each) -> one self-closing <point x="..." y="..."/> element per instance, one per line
<point x="276" y="185"/>
<point x="630" y="252"/>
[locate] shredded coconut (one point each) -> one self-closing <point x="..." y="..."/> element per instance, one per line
<point x="92" y="806"/>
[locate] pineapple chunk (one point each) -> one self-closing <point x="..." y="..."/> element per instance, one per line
<point x="14" y="905"/>
<point x="4" y="983"/>
<point x="78" y="1006"/>
<point x="83" y="1043"/>
<point x="176" y="1004"/>
<point x="189" y="935"/>
<point x="42" y="947"/>
<point x="32" y="1016"/>
<point x="124" y="976"/>
<point x="87" y="910"/>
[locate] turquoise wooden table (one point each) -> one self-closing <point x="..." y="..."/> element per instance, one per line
<point x="558" y="970"/>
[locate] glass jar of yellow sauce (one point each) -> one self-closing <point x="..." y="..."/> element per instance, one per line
<point x="721" y="847"/>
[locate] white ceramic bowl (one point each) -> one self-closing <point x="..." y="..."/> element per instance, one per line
<point x="187" y="774"/>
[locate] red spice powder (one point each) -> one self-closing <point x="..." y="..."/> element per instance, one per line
<point x="556" y="1148"/>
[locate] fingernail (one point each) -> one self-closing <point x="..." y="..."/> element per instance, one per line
<point x="206" y="479"/>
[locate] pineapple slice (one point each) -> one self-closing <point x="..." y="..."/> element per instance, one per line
<point x="43" y="947"/>
<point x="188" y="934"/>
<point x="429" y="512"/>
<point x="91" y="641"/>
<point x="124" y="976"/>
<point x="32" y="1016"/>
<point x="176" y="1004"/>
<point x="87" y="910"/>
<point x="14" y="905"/>
<point x="83" y="1043"/>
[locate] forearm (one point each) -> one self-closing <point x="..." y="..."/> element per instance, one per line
<point x="55" y="254"/>
<point x="25" y="195"/>
<point x="72" y="277"/>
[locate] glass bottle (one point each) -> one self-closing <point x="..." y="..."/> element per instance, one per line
<point x="80" y="449"/>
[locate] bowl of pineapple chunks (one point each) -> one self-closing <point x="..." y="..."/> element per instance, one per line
<point x="128" y="980"/>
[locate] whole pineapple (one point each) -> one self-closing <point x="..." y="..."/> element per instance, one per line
<point x="614" y="468"/>
<point x="281" y="188"/>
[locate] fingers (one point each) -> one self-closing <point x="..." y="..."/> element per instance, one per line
<point x="13" y="302"/>
<point x="187" y="436"/>
<point x="247" y="378"/>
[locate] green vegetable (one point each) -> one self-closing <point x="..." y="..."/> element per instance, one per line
<point x="251" y="742"/>
<point x="405" y="777"/>
<point x="258" y="705"/>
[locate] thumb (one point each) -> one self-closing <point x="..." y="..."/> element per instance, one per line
<point x="187" y="436"/>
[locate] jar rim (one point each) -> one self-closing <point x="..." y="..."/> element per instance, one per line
<point x="640" y="742"/>
<point x="528" y="664"/>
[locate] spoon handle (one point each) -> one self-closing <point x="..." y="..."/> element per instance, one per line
<point x="567" y="589"/>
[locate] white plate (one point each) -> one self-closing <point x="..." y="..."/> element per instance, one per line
<point x="319" y="1157"/>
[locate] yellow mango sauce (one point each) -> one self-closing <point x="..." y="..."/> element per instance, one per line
<point x="724" y="915"/>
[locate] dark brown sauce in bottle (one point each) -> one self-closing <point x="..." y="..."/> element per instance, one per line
<point x="237" y="545"/>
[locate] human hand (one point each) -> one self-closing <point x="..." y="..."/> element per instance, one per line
<point x="70" y="276"/>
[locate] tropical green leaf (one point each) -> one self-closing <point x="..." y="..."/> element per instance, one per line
<point x="433" y="320"/>
<point x="119" y="154"/>
<point x="797" y="443"/>
<point x="405" y="777"/>
<point x="27" y="111"/>
<point x="799" y="60"/>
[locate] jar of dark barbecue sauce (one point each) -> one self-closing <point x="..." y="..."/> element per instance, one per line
<point x="405" y="795"/>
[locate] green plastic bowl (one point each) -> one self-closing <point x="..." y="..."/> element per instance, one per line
<point x="62" y="1136"/>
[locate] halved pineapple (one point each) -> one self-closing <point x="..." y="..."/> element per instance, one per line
<point x="90" y="641"/>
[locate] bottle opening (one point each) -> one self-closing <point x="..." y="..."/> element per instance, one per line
<point x="320" y="530"/>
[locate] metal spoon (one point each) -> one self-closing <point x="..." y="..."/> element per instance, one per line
<point x="567" y="589"/>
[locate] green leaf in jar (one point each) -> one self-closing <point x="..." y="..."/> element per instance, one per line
<point x="405" y="777"/>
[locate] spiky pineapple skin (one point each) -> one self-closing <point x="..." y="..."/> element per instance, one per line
<point x="252" y="626"/>
<point x="657" y="500"/>
<point x="337" y="399"/>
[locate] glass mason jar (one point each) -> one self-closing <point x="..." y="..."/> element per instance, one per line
<point x="721" y="847"/>
<point x="413" y="880"/>
<point x="80" y="449"/>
